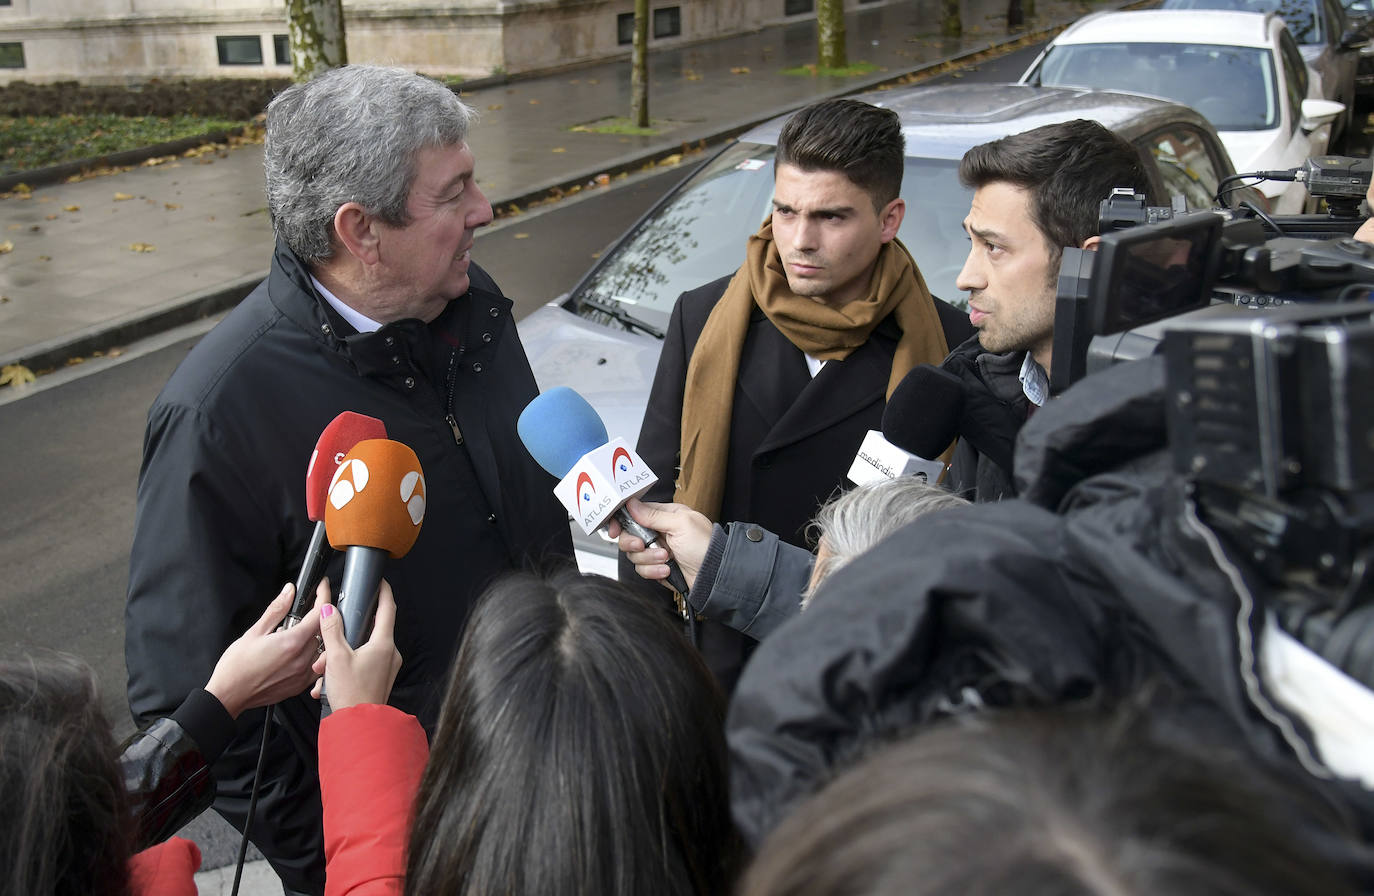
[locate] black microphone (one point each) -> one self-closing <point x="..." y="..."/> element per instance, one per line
<point x="927" y="411"/>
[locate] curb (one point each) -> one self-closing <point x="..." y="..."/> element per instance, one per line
<point x="142" y="324"/>
<point x="53" y="174"/>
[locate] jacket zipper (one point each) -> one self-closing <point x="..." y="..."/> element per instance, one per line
<point x="454" y="357"/>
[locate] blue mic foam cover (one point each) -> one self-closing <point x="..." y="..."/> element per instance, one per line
<point x="558" y="427"/>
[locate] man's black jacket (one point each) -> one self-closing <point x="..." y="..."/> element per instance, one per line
<point x="222" y="513"/>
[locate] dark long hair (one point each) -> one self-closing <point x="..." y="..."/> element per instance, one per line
<point x="1053" y="803"/>
<point x="65" y="830"/>
<point x="580" y="750"/>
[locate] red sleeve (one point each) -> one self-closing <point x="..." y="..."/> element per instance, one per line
<point x="371" y="759"/>
<point x="168" y="869"/>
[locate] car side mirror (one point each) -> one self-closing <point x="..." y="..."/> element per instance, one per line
<point x="1316" y="113"/>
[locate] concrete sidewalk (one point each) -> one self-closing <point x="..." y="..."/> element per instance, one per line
<point x="108" y="260"/>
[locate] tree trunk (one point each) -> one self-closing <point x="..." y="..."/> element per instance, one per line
<point x="316" y="30"/>
<point x="951" y="23"/>
<point x="639" y="67"/>
<point x="830" y="37"/>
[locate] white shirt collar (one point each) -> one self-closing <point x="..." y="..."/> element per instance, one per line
<point x="359" y="321"/>
<point x="1034" y="382"/>
<point x="1337" y="709"/>
<point x="813" y="364"/>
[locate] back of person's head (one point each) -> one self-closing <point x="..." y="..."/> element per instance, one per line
<point x="1056" y="803"/>
<point x="580" y="750"/>
<point x="1068" y="168"/>
<point x="861" y="141"/>
<point x="351" y="135"/>
<point x="66" y="832"/>
<point x="852" y="522"/>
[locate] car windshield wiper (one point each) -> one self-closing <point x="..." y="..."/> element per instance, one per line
<point x="618" y="312"/>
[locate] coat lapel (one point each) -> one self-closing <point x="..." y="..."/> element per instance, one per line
<point x="840" y="390"/>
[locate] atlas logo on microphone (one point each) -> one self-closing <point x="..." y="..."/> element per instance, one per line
<point x="628" y="474"/>
<point x="591" y="496"/>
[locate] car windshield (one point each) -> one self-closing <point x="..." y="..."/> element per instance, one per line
<point x="1299" y="15"/>
<point x="1233" y="87"/>
<point x="700" y="234"/>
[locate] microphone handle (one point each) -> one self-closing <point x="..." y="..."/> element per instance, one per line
<point x="362" y="578"/>
<point x="676" y="580"/>
<point x="317" y="555"/>
<point x="356" y="600"/>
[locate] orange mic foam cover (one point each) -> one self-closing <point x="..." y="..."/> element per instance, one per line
<point x="377" y="498"/>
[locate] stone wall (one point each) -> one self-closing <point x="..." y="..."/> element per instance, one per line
<point x="122" y="41"/>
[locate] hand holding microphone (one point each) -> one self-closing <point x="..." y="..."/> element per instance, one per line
<point x="365" y="674"/>
<point x="565" y="436"/>
<point x="684" y="536"/>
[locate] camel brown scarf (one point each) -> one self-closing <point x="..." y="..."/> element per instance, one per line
<point x="818" y="330"/>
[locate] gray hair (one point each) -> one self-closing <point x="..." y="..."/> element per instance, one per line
<point x="351" y="135"/>
<point x="856" y="520"/>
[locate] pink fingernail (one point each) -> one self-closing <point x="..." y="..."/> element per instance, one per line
<point x="327" y="610"/>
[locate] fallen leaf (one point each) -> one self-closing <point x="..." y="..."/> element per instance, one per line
<point x="522" y="236"/>
<point x="494" y="107"/>
<point x="670" y="160"/>
<point x="691" y="76"/>
<point x="6" y="247"/>
<point x="534" y="102"/>
<point x="114" y="353"/>
<point x="71" y="208"/>
<point x="22" y="189"/>
<point x="15" y="375"/>
<point x="142" y="247"/>
<point x="603" y="179"/>
<point x="740" y="70"/>
<point x="50" y="217"/>
<point x="4" y="299"/>
<point x="592" y="81"/>
<point x="35" y="228"/>
<point x="558" y="149"/>
<point x="45" y="258"/>
<point x="170" y="206"/>
<point x="72" y="362"/>
<point x="120" y="197"/>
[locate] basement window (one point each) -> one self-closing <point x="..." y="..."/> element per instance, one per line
<point x="625" y="28"/>
<point x="12" y="55"/>
<point x="798" y="7"/>
<point x="240" y="50"/>
<point x="281" y="48"/>
<point x="668" y="21"/>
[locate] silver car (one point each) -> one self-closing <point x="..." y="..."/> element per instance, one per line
<point x="604" y="337"/>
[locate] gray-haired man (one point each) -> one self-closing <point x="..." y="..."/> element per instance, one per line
<point x="372" y="305"/>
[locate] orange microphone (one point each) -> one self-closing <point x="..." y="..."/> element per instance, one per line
<point x="376" y="502"/>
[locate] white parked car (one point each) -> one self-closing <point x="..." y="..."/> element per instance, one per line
<point x="1241" y="70"/>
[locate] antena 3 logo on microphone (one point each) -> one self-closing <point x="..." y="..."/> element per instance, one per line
<point x="601" y="481"/>
<point x="376" y="498"/>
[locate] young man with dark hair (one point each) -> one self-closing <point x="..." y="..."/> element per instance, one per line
<point x="800" y="347"/>
<point x="1034" y="193"/>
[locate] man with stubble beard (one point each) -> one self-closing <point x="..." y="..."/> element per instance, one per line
<point x="1034" y="193"/>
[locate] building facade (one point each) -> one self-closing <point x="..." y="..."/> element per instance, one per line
<point x="128" y="41"/>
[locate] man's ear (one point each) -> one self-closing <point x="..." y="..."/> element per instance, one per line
<point x="357" y="233"/>
<point x="891" y="218"/>
<point x="1091" y="243"/>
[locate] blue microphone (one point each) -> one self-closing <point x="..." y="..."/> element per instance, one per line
<point x="558" y="428"/>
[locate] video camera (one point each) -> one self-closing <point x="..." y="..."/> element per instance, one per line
<point x="1268" y="343"/>
<point x="1156" y="262"/>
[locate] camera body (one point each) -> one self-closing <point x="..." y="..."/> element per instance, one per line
<point x="1268" y="343"/>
